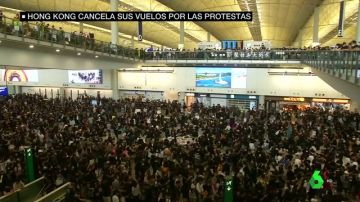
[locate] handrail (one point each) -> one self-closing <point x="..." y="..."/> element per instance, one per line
<point x="44" y="198"/>
<point x="42" y="189"/>
<point x="35" y="181"/>
<point x="18" y="195"/>
<point x="87" y="43"/>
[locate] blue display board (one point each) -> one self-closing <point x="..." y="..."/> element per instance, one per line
<point x="3" y="91"/>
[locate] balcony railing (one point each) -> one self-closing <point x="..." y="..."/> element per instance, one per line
<point x="41" y="32"/>
<point x="224" y="55"/>
<point x="344" y="64"/>
<point x="344" y="61"/>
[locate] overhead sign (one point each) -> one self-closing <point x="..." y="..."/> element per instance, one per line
<point x="341" y="19"/>
<point x="294" y="99"/>
<point x="342" y="101"/>
<point x="140" y="32"/>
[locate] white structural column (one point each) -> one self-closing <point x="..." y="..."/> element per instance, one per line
<point x="182" y="35"/>
<point x="132" y="42"/>
<point x="60" y="93"/>
<point x="17" y="89"/>
<point x="81" y="27"/>
<point x="114" y="84"/>
<point x="300" y="38"/>
<point x="261" y="101"/>
<point x="114" y="24"/>
<point x="358" y="26"/>
<point x="316" y="25"/>
<point x="208" y="37"/>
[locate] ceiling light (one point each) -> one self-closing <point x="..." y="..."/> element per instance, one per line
<point x="0" y="41"/>
<point x="31" y="46"/>
<point x="79" y="54"/>
<point x="57" y="50"/>
<point x="96" y="56"/>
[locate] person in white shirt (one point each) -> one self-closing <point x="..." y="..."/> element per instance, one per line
<point x="115" y="198"/>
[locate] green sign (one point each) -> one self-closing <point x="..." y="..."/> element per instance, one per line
<point x="228" y="192"/>
<point x="316" y="180"/>
<point x="29" y="165"/>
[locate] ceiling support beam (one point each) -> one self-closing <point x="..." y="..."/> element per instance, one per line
<point x="316" y="25"/>
<point x="333" y="33"/>
<point x="167" y="25"/>
<point x="358" y="26"/>
<point x="114" y="24"/>
<point x="254" y="26"/>
<point x="182" y="38"/>
<point x="301" y="28"/>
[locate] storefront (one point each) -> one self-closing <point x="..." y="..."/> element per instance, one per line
<point x="151" y="95"/>
<point x="276" y="103"/>
<point x="331" y="103"/>
<point x="224" y="100"/>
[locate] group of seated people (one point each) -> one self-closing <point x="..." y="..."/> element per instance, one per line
<point x="129" y="150"/>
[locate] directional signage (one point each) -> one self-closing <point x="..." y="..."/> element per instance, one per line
<point x="29" y="165"/>
<point x="140" y="31"/>
<point x="228" y="192"/>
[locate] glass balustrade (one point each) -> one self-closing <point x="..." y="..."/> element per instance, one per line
<point x="344" y="62"/>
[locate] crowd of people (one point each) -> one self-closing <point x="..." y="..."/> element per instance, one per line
<point x="129" y="150"/>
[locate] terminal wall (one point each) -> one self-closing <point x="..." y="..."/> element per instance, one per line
<point x="43" y="58"/>
<point x="259" y="82"/>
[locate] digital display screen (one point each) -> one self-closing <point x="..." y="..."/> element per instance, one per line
<point x="86" y="76"/>
<point x="16" y="75"/>
<point x="221" y="77"/>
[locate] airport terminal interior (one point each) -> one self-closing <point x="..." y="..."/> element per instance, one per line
<point x="181" y="111"/>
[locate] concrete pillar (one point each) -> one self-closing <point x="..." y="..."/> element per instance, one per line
<point x="182" y="35"/>
<point x="132" y="42"/>
<point x="114" y="84"/>
<point x="354" y="106"/>
<point x="62" y="93"/>
<point x="81" y="27"/>
<point x="316" y="25"/>
<point x="181" y="97"/>
<point x="358" y="26"/>
<point x="301" y="38"/>
<point x="208" y="37"/>
<point x="261" y="104"/>
<point x="114" y="24"/>
<point x="11" y="90"/>
<point x="17" y="89"/>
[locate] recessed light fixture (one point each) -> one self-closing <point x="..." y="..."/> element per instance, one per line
<point x="79" y="54"/>
<point x="96" y="56"/>
<point x="57" y="50"/>
<point x="31" y="46"/>
<point x="0" y="41"/>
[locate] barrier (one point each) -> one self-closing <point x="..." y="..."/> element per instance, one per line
<point x="26" y="194"/>
<point x="57" y="195"/>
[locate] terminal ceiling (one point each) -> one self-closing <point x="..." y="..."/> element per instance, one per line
<point x="279" y="21"/>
